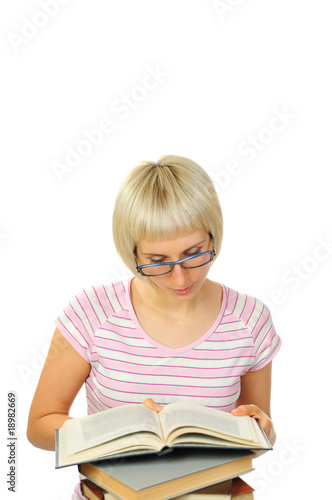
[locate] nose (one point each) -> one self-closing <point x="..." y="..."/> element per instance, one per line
<point x="179" y="276"/>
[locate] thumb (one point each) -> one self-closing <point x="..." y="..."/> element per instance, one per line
<point x="152" y="405"/>
<point x="239" y="410"/>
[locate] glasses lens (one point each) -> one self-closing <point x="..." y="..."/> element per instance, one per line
<point x="198" y="260"/>
<point x="156" y="270"/>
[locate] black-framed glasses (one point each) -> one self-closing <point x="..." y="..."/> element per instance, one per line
<point x="159" y="269"/>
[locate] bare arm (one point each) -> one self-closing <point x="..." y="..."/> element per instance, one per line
<point x="63" y="375"/>
<point x="255" y="399"/>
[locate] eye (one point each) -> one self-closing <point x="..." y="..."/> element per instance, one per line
<point x="156" y="261"/>
<point x="193" y="252"/>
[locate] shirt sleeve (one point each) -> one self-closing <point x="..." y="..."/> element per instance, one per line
<point x="76" y="324"/>
<point x="266" y="341"/>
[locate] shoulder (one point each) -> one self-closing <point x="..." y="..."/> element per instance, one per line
<point x="98" y="302"/>
<point x="110" y="298"/>
<point x="253" y="320"/>
<point x="88" y="311"/>
<point x="247" y="308"/>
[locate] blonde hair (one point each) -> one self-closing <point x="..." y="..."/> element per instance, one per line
<point x="162" y="201"/>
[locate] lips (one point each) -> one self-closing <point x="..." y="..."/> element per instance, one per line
<point x="182" y="291"/>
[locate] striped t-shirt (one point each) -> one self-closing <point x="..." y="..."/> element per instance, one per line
<point x="128" y="366"/>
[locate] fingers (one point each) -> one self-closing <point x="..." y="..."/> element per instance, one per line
<point x="152" y="405"/>
<point x="255" y="412"/>
<point x="251" y="410"/>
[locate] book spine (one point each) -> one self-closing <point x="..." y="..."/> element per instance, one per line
<point x="267" y="441"/>
<point x="57" y="449"/>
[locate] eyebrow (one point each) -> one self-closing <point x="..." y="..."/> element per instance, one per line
<point x="161" y="255"/>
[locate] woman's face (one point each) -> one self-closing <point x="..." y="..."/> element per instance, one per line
<point x="182" y="283"/>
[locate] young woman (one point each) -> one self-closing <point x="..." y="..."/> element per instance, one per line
<point x="168" y="334"/>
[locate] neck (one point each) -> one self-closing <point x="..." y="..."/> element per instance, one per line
<point x="175" y="306"/>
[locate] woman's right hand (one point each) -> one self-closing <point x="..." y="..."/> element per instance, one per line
<point x="152" y="405"/>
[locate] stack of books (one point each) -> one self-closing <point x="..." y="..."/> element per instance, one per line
<point x="186" y="451"/>
<point x="236" y="489"/>
<point x="151" y="477"/>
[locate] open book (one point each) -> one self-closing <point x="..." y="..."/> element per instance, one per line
<point x="134" y="428"/>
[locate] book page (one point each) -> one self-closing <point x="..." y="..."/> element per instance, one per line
<point x="129" y="443"/>
<point x="178" y="415"/>
<point x="193" y="438"/>
<point x="221" y="491"/>
<point x="84" y="432"/>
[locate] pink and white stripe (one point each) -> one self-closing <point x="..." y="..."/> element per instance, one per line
<point x="128" y="366"/>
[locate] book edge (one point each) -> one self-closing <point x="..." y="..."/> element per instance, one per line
<point x="57" y="465"/>
<point x="193" y="478"/>
<point x="265" y="437"/>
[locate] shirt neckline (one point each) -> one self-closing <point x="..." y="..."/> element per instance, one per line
<point x="162" y="347"/>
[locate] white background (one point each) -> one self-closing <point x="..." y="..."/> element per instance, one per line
<point x="223" y="77"/>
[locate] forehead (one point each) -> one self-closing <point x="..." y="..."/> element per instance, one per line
<point x="177" y="245"/>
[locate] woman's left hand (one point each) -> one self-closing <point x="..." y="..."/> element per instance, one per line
<point x="255" y="412"/>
